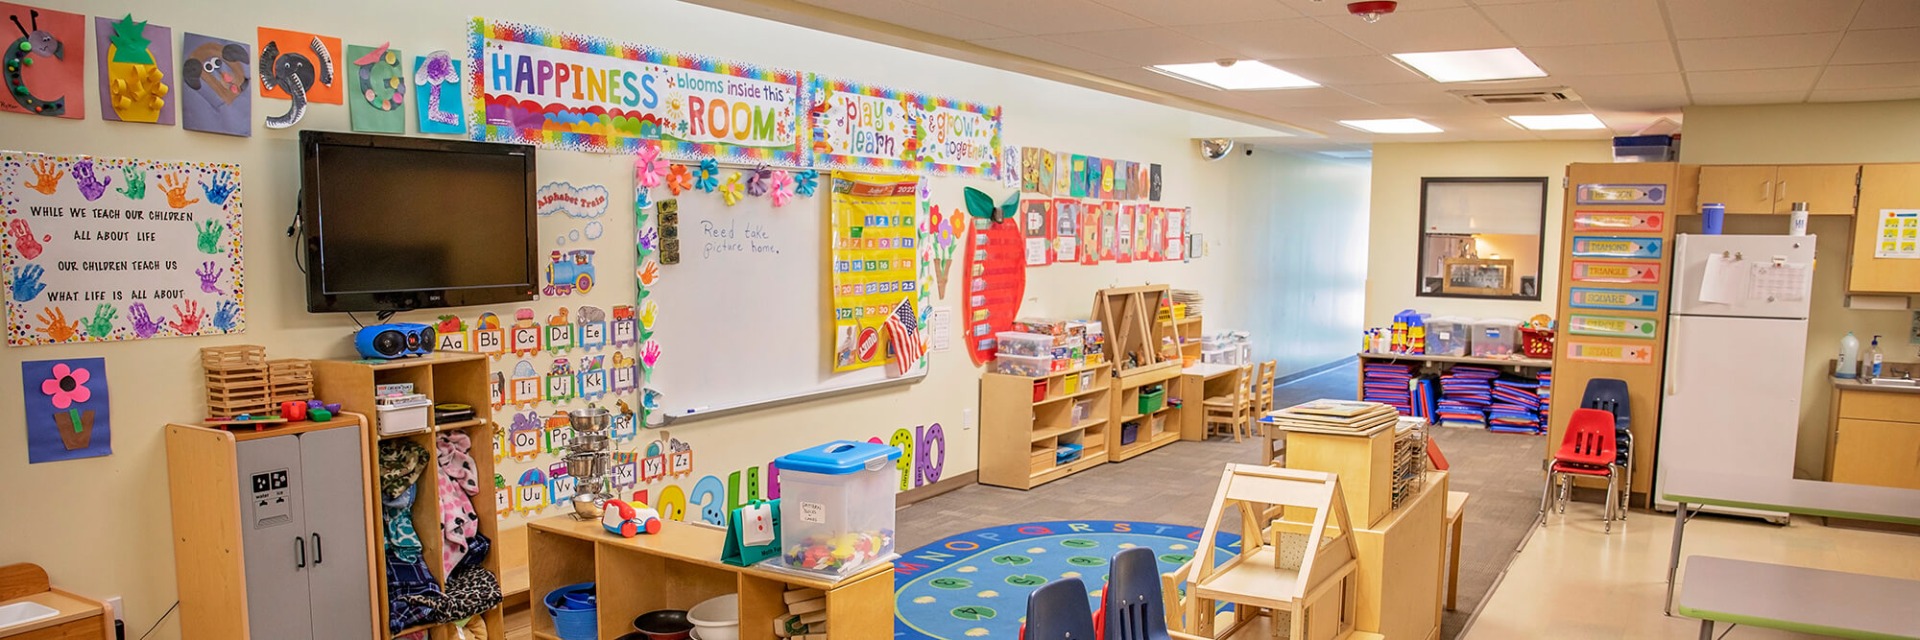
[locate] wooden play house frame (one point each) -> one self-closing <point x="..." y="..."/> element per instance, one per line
<point x="1315" y="601"/>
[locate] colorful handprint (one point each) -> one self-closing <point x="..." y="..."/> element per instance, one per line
<point x="175" y="185"/>
<point x="144" y="326"/>
<point x="135" y="179"/>
<point x="55" y="326"/>
<point x="649" y="273"/>
<point x="209" y="236"/>
<point x="226" y="315"/>
<point x="101" y="324"/>
<point x="91" y="186"/>
<point x="23" y="240"/>
<point x="648" y="238"/>
<point x="647" y="314"/>
<point x="188" y="314"/>
<point x="221" y="188"/>
<point x="46" y="176"/>
<point x="649" y="354"/>
<point x="210" y="278"/>
<point x="26" y="282"/>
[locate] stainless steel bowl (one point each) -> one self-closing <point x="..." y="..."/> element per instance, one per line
<point x="588" y="465"/>
<point x="588" y="506"/>
<point x="595" y="442"/>
<point x="590" y="419"/>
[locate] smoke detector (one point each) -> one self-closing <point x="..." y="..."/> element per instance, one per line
<point x="1371" y="10"/>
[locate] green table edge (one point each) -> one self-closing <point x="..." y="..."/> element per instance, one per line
<point x="1770" y="623"/>
<point x="1828" y="513"/>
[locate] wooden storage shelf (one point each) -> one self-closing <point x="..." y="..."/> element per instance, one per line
<point x="1060" y="431"/>
<point x="679" y="568"/>
<point x="1076" y="394"/>
<point x="1127" y="403"/>
<point x="1012" y="423"/>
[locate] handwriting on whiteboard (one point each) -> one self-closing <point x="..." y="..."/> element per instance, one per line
<point x="723" y="238"/>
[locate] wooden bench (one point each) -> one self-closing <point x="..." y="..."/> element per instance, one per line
<point x="1798" y="599"/>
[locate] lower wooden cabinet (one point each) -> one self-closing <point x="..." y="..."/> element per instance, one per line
<point x="1875" y="439"/>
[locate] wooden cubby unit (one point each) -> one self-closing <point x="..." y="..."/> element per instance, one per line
<point x="680" y="567"/>
<point x="445" y="377"/>
<point x="1019" y="435"/>
<point x="1157" y="428"/>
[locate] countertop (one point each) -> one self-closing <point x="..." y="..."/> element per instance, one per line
<point x="71" y="608"/>
<point x="1856" y="384"/>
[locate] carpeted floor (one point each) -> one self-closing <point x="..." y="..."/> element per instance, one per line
<point x="1175" y="485"/>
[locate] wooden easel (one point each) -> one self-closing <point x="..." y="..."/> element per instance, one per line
<point x="1128" y="316"/>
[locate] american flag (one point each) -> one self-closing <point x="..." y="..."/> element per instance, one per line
<point x="903" y="337"/>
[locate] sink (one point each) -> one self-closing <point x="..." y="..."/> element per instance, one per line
<point x="20" y="613"/>
<point x="1895" y="382"/>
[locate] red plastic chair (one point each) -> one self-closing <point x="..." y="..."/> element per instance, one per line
<point x="1588" y="449"/>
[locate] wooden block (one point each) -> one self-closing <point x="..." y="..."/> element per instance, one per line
<point x="817" y="617"/>
<point x="808" y="606"/>
<point x="802" y="594"/>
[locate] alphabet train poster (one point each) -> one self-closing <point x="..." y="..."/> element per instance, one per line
<point x="101" y="249"/>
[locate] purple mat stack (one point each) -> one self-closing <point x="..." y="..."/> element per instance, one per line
<point x="1516" y="406"/>
<point x="1466" y="392"/>
<point x="1387" y="383"/>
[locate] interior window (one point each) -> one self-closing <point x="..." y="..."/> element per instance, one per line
<point x="1481" y="237"/>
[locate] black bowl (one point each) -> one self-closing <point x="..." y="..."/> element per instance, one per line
<point x="665" y="624"/>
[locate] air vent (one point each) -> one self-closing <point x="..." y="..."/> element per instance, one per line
<point x="1519" y="96"/>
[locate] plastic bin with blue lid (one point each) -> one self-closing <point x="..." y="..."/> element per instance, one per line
<point x="836" y="507"/>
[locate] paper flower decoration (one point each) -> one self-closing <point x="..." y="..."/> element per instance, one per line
<point x="934" y="220"/>
<point x="732" y="190"/>
<point x="67" y="386"/>
<point x="806" y="182"/>
<point x="757" y="181"/>
<point x="649" y="168"/>
<point x="679" y="179"/>
<point x="707" y="176"/>
<point x="780" y="188"/>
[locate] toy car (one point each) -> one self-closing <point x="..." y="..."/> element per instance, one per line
<point x="629" y="520"/>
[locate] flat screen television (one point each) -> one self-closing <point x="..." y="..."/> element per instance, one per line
<point x="393" y="224"/>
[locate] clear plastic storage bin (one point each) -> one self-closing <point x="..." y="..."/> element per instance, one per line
<point x="1032" y="367"/>
<point x="1023" y="344"/>
<point x="1449" y="336"/>
<point x="836" y="507"/>
<point x="1496" y="338"/>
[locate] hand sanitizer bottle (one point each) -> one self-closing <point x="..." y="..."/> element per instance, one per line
<point x="1849" y="366"/>
<point x="1874" y="358"/>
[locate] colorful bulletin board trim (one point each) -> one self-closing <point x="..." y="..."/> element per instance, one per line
<point x="1610" y="353"/>
<point x="68" y="415"/>
<point x="871" y="128"/>
<point x="1612" y="247"/>
<point x="46" y="64"/>
<point x="1612" y="326"/>
<point x="1620" y="194"/>
<point x="1616" y="272"/>
<point x="1615" y="299"/>
<point x="564" y="90"/>
<point x="875" y="263"/>
<point x="101" y="249"/>
<point x="1633" y="221"/>
<point x="975" y="584"/>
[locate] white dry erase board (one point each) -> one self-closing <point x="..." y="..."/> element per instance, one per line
<point x="742" y="318"/>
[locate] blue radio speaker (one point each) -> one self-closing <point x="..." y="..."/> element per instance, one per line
<point x="394" y="340"/>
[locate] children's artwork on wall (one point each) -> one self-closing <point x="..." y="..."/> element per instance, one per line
<point x="216" y="95"/>
<point x="1176" y="235"/>
<point x="1142" y="247"/>
<point x="1091" y="235"/>
<point x="1123" y="234"/>
<point x="875" y="262"/>
<point x="437" y="93"/>
<point x="862" y="126"/>
<point x="697" y="107"/>
<point x="299" y="67"/>
<point x="93" y="255"/>
<point x="68" y="415"/>
<point x="136" y="70"/>
<point x="1109" y="228"/>
<point x="1153" y="182"/>
<point x="996" y="278"/>
<point x="1066" y="230"/>
<point x="45" y="62"/>
<point x="377" y="103"/>
<point x="1036" y="221"/>
<point x="942" y="233"/>
<point x="1030" y="166"/>
<point x="1010" y="167"/>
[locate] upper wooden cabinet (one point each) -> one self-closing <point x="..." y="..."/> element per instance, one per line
<point x="1828" y="189"/>
<point x="1883" y="186"/>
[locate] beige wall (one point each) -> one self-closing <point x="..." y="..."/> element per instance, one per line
<point x="1394" y="228"/>
<point x="1814" y="133"/>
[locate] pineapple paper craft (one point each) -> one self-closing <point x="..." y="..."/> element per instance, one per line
<point x="135" y="70"/>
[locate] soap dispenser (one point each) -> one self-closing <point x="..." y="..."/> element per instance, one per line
<point x="1874" y="358"/>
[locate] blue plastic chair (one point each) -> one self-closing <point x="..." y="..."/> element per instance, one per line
<point x="1610" y="395"/>
<point x="1059" y="610"/>
<point x="1133" y="607"/>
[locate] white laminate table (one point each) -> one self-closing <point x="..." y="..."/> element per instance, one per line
<point x="1816" y="601"/>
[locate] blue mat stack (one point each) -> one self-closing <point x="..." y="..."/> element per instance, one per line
<point x="1466" y="392"/>
<point x="1545" y="391"/>
<point x="1387" y="383"/>
<point x="1516" y="406"/>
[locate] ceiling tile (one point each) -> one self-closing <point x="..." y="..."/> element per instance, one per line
<point x="1157" y="45"/>
<point x="1864" y="95"/>
<point x="1339" y="7"/>
<point x="1760" y="52"/>
<point x="1048" y="51"/>
<point x="1427" y="92"/>
<point x="1653" y="101"/>
<point x="1355" y="112"/>
<point x="1762" y="97"/>
<point x="1871" y="76"/>
<point x="1279" y="39"/>
<point x="1879" y="45"/>
<point x="1605" y="59"/>
<point x="1152" y="80"/>
<point x="1351" y="70"/>
<point x="1752" y="81"/>
<point x="1309" y="97"/>
<point x="1179" y="14"/>
<point x="1039" y="17"/>
<point x="1580" y="22"/>
<point x="1887" y="14"/>
<point x="916" y="17"/>
<point x="1452" y="108"/>
<point x="1412" y="31"/>
<point x="1738" y="18"/>
<point x="1627" y="85"/>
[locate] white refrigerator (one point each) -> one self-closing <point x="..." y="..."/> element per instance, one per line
<point x="1736" y="350"/>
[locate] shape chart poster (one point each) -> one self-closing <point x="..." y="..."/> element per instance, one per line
<point x="100" y="249"/>
<point x="1899" y="234"/>
<point x="875" y="263"/>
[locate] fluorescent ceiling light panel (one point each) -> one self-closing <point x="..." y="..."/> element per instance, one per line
<point x="1240" y="76"/>
<point x="1392" y="125"/>
<point x="1474" y="65"/>
<point x="1559" y="122"/>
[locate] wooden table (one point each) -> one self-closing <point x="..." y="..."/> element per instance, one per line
<point x="1199" y="382"/>
<point x="1456" y="512"/>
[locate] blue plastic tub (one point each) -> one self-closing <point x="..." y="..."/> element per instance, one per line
<point x="575" y="612"/>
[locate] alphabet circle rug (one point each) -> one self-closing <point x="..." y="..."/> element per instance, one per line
<point x="975" y="584"/>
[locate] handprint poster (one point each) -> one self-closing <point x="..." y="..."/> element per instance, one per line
<point x="104" y="249"/>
